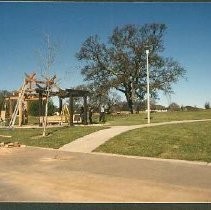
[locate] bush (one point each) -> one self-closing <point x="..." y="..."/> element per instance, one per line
<point x="174" y="107"/>
<point x="191" y="108"/>
<point x="33" y="108"/>
<point x="207" y="105"/>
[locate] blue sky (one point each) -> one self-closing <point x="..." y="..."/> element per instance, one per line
<point x="188" y="39"/>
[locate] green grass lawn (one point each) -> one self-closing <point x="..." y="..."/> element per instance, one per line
<point x="56" y="137"/>
<point x="136" y="119"/>
<point x="189" y="141"/>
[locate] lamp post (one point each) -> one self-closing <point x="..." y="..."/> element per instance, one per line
<point x="148" y="98"/>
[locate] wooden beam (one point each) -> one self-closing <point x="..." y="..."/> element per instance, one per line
<point x="20" y="113"/>
<point x="10" y="107"/>
<point x="60" y="105"/>
<point x="71" y="110"/>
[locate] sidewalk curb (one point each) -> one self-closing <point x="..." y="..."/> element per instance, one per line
<point x="131" y="157"/>
<point x="154" y="159"/>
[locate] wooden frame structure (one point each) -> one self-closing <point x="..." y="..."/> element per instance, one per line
<point x="71" y="94"/>
<point x="28" y="92"/>
<point x="36" y="90"/>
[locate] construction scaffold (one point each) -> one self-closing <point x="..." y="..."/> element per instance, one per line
<point x="16" y="104"/>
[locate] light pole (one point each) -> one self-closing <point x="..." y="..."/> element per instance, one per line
<point x="148" y="99"/>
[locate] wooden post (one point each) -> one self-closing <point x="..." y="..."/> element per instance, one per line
<point x="60" y="105"/>
<point x="20" y="112"/>
<point x="85" y="110"/>
<point x="10" y="107"/>
<point x="71" y="110"/>
<point x="26" y="113"/>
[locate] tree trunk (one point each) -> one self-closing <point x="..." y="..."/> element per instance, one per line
<point x="130" y="105"/>
<point x="46" y="112"/>
<point x="129" y="99"/>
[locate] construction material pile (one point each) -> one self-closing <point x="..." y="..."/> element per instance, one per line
<point x="10" y="144"/>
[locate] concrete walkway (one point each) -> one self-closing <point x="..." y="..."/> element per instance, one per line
<point x="90" y="142"/>
<point x="46" y="175"/>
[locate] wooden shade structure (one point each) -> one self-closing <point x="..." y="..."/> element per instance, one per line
<point x="36" y="91"/>
<point x="71" y="94"/>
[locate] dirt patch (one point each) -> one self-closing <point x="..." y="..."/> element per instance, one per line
<point x="4" y="151"/>
<point x="9" y="147"/>
<point x="10" y="144"/>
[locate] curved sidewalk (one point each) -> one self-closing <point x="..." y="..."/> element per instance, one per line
<point x="90" y="142"/>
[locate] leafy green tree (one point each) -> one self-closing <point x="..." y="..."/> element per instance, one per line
<point x="142" y="105"/>
<point x="121" y="62"/>
<point x="51" y="107"/>
<point x="33" y="108"/>
<point x="174" y="107"/>
<point x="100" y="96"/>
<point x="3" y="94"/>
<point x="191" y="108"/>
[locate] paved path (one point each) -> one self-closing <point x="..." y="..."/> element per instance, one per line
<point x="47" y="175"/>
<point x="90" y="142"/>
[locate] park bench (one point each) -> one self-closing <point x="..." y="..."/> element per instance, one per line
<point x="60" y="119"/>
<point x="55" y="119"/>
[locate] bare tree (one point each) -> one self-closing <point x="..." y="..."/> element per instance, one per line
<point x="47" y="55"/>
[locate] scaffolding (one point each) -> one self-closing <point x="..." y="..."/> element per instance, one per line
<point x="31" y="89"/>
<point x="34" y="89"/>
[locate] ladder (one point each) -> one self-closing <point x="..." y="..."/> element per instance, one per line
<point x="65" y="112"/>
<point x="20" y="99"/>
